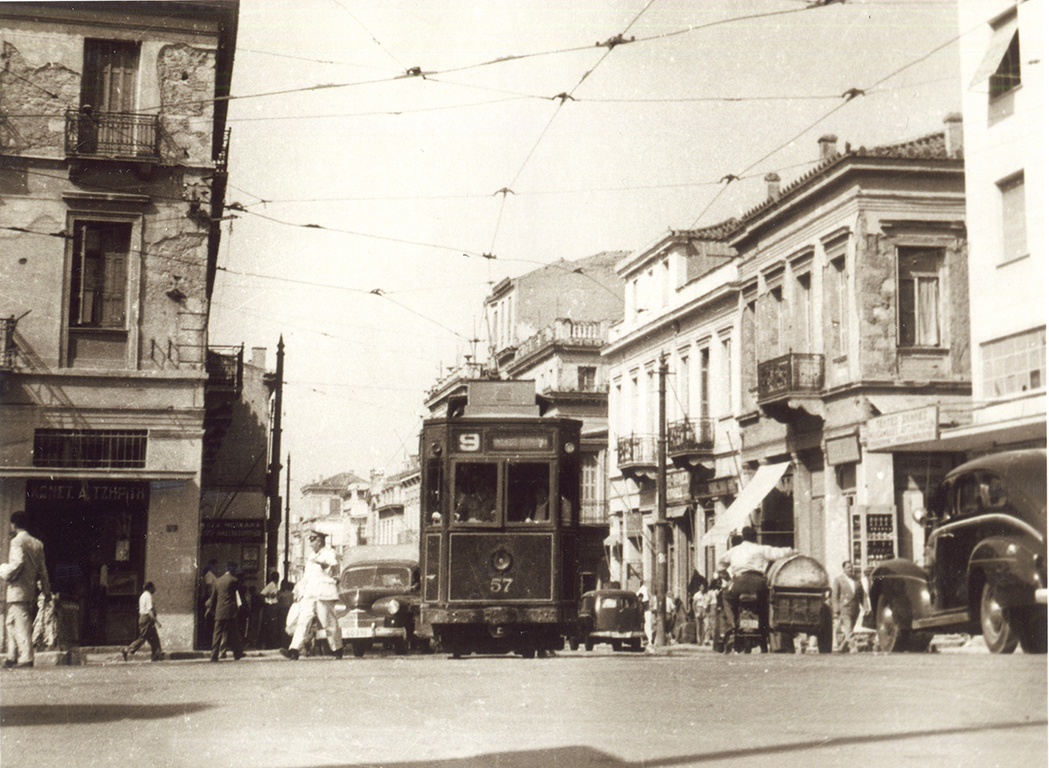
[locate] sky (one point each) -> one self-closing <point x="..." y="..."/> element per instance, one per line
<point x="391" y="160"/>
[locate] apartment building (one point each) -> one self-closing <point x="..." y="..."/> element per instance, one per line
<point x="114" y="142"/>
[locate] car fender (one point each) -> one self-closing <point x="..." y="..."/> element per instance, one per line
<point x="1007" y="562"/>
<point x="903" y="580"/>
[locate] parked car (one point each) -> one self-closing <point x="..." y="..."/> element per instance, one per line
<point x="381" y="598"/>
<point x="609" y="616"/>
<point x="984" y="564"/>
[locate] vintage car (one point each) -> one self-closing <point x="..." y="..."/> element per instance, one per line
<point x="984" y="562"/>
<point x="381" y="601"/>
<point x="609" y="616"/>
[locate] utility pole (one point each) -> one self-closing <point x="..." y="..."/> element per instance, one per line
<point x="273" y="473"/>
<point x="661" y="508"/>
<point x="287" y="519"/>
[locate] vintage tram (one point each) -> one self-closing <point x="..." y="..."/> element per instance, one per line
<point x="503" y="557"/>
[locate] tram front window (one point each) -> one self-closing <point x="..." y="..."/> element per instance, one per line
<point x="475" y="492"/>
<point x="528" y="493"/>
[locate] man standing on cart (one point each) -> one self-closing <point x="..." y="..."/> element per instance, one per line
<point x="746" y="564"/>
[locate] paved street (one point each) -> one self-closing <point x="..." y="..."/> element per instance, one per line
<point x="676" y="708"/>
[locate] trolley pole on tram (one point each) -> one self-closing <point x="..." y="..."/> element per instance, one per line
<point x="661" y="509"/>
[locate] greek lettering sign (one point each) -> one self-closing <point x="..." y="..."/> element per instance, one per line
<point x="233" y="531"/>
<point x="902" y="427"/>
<point x="843" y="450"/>
<point x="113" y="493"/>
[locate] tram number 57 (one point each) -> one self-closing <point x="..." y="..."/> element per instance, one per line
<point x="500" y="585"/>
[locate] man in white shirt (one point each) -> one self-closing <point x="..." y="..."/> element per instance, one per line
<point x="318" y="592"/>
<point x="745" y="564"/>
<point x="147" y="626"/>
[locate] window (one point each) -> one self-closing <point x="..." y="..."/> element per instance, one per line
<point x="476" y="487"/>
<point x="1014" y="364"/>
<point x="1007" y="75"/>
<point x="837" y="301"/>
<point x="704" y="383"/>
<point x="1014" y="217"/>
<point x="919" y="297"/>
<point x="725" y="381"/>
<point x="98" y="286"/>
<point x="90" y="448"/>
<point x="110" y="69"/>
<point x="683" y="385"/>
<point x="528" y="493"/>
<point x="587" y="378"/>
<point x="803" y="311"/>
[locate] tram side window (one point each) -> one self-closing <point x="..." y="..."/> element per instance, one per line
<point x="476" y="486"/>
<point x="432" y="496"/>
<point x="528" y="493"/>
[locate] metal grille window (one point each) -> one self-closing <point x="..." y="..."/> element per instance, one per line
<point x="90" y="448"/>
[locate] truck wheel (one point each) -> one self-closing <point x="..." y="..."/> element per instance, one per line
<point x="400" y="647"/>
<point x="359" y="649"/>
<point x="1031" y="626"/>
<point x="893" y="624"/>
<point x="994" y="620"/>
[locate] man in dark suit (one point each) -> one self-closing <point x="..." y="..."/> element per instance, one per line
<point x="227" y="595"/>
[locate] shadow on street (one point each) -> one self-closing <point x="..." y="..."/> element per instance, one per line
<point x="68" y="714"/>
<point x="588" y="757"/>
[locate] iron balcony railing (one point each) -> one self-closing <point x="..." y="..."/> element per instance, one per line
<point x="792" y="374"/>
<point x="225" y="367"/>
<point x="690" y="436"/>
<point x="593" y="512"/>
<point x="636" y="449"/>
<point x="112" y="134"/>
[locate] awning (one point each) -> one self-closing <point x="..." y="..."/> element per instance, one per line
<point x="738" y="513"/>
<point x="995" y="52"/>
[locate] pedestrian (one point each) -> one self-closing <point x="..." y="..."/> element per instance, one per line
<point x="710" y="611"/>
<point x="699" y="610"/>
<point x="269" y="593"/>
<point x="227" y="595"/>
<point x="148" y="623"/>
<point x="25" y="573"/>
<point x="318" y="592"/>
<point x="847" y="596"/>
<point x="646" y="611"/>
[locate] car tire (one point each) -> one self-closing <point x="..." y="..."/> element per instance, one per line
<point x="573" y="643"/>
<point x="1031" y="627"/>
<point x="617" y="646"/>
<point x="635" y="645"/>
<point x="893" y="625"/>
<point x="400" y="647"/>
<point x="588" y="644"/>
<point x="998" y="631"/>
<point x="359" y="649"/>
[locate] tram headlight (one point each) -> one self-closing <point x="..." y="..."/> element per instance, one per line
<point x="502" y="560"/>
<point x="393" y="607"/>
<point x="569" y="447"/>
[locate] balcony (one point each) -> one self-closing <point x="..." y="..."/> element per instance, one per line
<point x="636" y="456"/>
<point x="225" y="367"/>
<point x="791" y="383"/>
<point x="690" y="441"/>
<point x="112" y="135"/>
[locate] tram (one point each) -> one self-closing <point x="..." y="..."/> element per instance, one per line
<point x="502" y="552"/>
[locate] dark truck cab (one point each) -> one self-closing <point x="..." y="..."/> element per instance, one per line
<point x="984" y="564"/>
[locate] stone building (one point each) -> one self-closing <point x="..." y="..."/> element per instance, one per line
<point x="114" y="142"/>
<point x="339" y="506"/>
<point x="853" y="303"/>
<point x="841" y="297"/>
<point x="395" y="507"/>
<point x="681" y="312"/>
